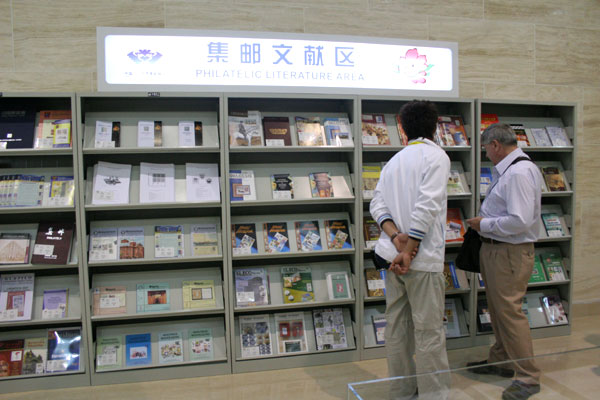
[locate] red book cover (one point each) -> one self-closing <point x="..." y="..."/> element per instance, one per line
<point x="53" y="243"/>
<point x="487" y="120"/>
<point x="455" y="227"/>
<point x="11" y="357"/>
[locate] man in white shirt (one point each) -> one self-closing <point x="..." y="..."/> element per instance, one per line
<point x="409" y="204"/>
<point x="508" y="228"/>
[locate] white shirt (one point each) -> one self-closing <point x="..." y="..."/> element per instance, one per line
<point x="412" y="192"/>
<point x="512" y="205"/>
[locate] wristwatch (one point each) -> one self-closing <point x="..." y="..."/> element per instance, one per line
<point x="394" y="236"/>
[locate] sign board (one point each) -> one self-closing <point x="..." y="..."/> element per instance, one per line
<point x="140" y="59"/>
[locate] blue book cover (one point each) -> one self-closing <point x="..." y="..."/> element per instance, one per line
<point x="485" y="180"/>
<point x="276" y="237"/>
<point x="138" y="349"/>
<point x="17" y="128"/>
<point x="453" y="274"/>
<point x="63" y="349"/>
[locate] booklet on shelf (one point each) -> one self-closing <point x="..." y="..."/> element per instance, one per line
<point x="199" y="294"/>
<point x="61" y="193"/>
<point x="19" y="190"/>
<point x="200" y="344"/>
<point x="379" y="324"/>
<point x="522" y="139"/>
<point x="553" y="224"/>
<point x="190" y="133"/>
<point x="401" y="133"/>
<point x="485" y="180"/>
<point x="455" y="226"/>
<point x="372" y="232"/>
<point x="16" y="296"/>
<point x="338" y="234"/>
<point x="11" y="357"/>
<point x="276" y="237"/>
<point x="310" y="132"/>
<point x="168" y="241"/>
<point x="242" y="185"/>
<point x="455" y="185"/>
<point x="554" y="310"/>
<point x="170" y="347"/>
<point x="452" y="130"/>
<point x="138" y="349"/>
<point x="109" y="300"/>
<point x="291" y="335"/>
<point x="297" y="285"/>
<point x="151" y="297"/>
<point x="330" y="331"/>
<point x="554" y="178"/>
<point x="131" y="242"/>
<point x="61" y="132"/>
<point x="149" y="134"/>
<point x="308" y="235"/>
<point x="111" y="183"/>
<point x="541" y="137"/>
<point x="338" y="132"/>
<point x="14" y="248"/>
<point x="370" y="177"/>
<point x="34" y="356"/>
<point x="320" y="184"/>
<point x="375" y="282"/>
<point x="537" y="274"/>
<point x="63" y="349"/>
<point x="103" y="244"/>
<point x="255" y="336"/>
<point x="487" y="120"/>
<point x="251" y="287"/>
<point x="243" y="239"/>
<point x="277" y="131"/>
<point x="53" y="243"/>
<point x="374" y="130"/>
<point x="282" y="186"/>
<point x="55" y="304"/>
<point x="245" y="130"/>
<point x="552" y="262"/>
<point x="109" y="353"/>
<point x="46" y="133"/>
<point x="558" y="136"/>
<point x="338" y="285"/>
<point x="157" y="183"/>
<point x="107" y="134"/>
<point x="202" y="182"/>
<point x="451" y="325"/>
<point x="204" y="240"/>
<point x="17" y="128"/>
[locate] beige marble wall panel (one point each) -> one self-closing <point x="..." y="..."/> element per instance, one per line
<point x="470" y="89"/>
<point x="586" y="277"/>
<point x="488" y="50"/>
<point x="378" y="24"/>
<point x="61" y="34"/>
<point x="509" y="91"/>
<point x="567" y="56"/>
<point x="559" y="93"/>
<point x="6" y="40"/>
<point x="591" y="116"/>
<point x="183" y="14"/>
<point x="588" y="168"/>
<point x="450" y="8"/>
<point x="549" y="12"/>
<point x="45" y="81"/>
<point x="350" y="6"/>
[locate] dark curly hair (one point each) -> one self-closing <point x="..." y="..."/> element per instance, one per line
<point x="419" y="119"/>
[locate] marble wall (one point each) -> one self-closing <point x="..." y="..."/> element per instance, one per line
<point x="508" y="49"/>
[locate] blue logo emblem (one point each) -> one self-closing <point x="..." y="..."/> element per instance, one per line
<point x="141" y="56"/>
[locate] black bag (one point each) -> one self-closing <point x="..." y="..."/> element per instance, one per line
<point x="468" y="256"/>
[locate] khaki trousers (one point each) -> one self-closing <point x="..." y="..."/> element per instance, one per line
<point x="506" y="269"/>
<point x="414" y="315"/>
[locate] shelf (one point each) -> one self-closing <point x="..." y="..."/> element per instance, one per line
<point x="293" y="254"/>
<point x="555" y="239"/>
<point x="36" y="152"/>
<point x="282" y="307"/>
<point x="154" y="261"/>
<point x="549" y="283"/>
<point x="36" y="267"/>
<point x="374" y="299"/>
<point x="179" y="364"/>
<point x="44" y="375"/>
<point x="295" y="354"/>
<point x="399" y="148"/>
<point x="150" y="206"/>
<point x="292" y="149"/>
<point x="161" y="314"/>
<point x="151" y="150"/>
<point x="37" y="210"/>
<point x="41" y="322"/>
<point x="258" y="203"/>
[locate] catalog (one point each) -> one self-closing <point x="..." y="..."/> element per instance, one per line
<point x="131" y="242"/>
<point x="251" y="287"/>
<point x="338" y="132"/>
<point x="330" y="331"/>
<point x="14" y="248"/>
<point x="338" y="234"/>
<point x="282" y="186"/>
<point x="190" y="133"/>
<point x="53" y="243"/>
<point x="16" y="298"/>
<point x="241" y="185"/>
<point x="149" y="134"/>
<point x="297" y="284"/>
<point x="200" y="344"/>
<point x="55" y="304"/>
<point x="109" y="300"/>
<point x="204" y="239"/>
<point x="202" y="182"/>
<point x="138" y="349"/>
<point x="11" y="357"/>
<point x="109" y="353"/>
<point x="246" y="130"/>
<point x="291" y="335"/>
<point x="61" y="193"/>
<point x="255" y="336"/>
<point x="243" y="239"/>
<point x="276" y="237"/>
<point x="63" y="349"/>
<point x="152" y="297"/>
<point x="170" y="347"/>
<point x="168" y="241"/>
<point x="103" y="244"/>
<point x="199" y="294"/>
<point x="34" y="357"/>
<point x="310" y="132"/>
<point x="111" y="183"/>
<point x="157" y="183"/>
<point x="308" y="236"/>
<point x="338" y="285"/>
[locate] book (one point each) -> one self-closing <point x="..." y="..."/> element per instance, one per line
<point x="111" y="183"/>
<point x="149" y="134"/>
<point x="454" y="185"/>
<point x="200" y="344"/>
<point x="168" y="241"/>
<point x="55" y="304"/>
<point x="107" y="134"/>
<point x="554" y="310"/>
<point x="330" y="331"/>
<point x="63" y="349"/>
<point x="310" y="132"/>
<point x="14" y="248"/>
<point x="282" y="186"/>
<point x="320" y="184"/>
<point x="379" y="324"/>
<point x="338" y="131"/>
<point x="558" y="136"/>
<point x="245" y="130"/>
<point x="204" y="239"/>
<point x="103" y="244"/>
<point x="190" y="133"/>
<point x="554" y="179"/>
<point x="20" y="190"/>
<point x="241" y="185"/>
<point x="251" y="287"/>
<point x="308" y="236"/>
<point x="109" y="300"/>
<point x="53" y="243"/>
<point x="375" y="282"/>
<point x="202" y="182"/>
<point x="255" y="336"/>
<point x="537" y="274"/>
<point x="47" y="136"/>
<point x="61" y="193"/>
<point x="291" y="335"/>
<point x="109" y="353"/>
<point x="451" y="276"/>
<point x="370" y="177"/>
<point x="170" y="347"/>
<point x="485" y="180"/>
<point x="17" y="128"/>
<point x="338" y="285"/>
<point x="131" y="242"/>
<point x="374" y="130"/>
<point x="243" y="239"/>
<point x="157" y="183"/>
<point x="451" y="325"/>
<point x="34" y="356"/>
<point x="152" y="297"/>
<point x="372" y="232"/>
<point x="487" y="120"/>
<point x="297" y="285"/>
<point x="138" y="349"/>
<point x="16" y="296"/>
<point x="541" y="137"/>
<point x="522" y="139"/>
<point x="453" y="131"/>
<point x="401" y="133"/>
<point x="553" y="266"/>
<point x="484" y="321"/>
<point x="277" y="131"/>
<point x="455" y="227"/>
<point x="553" y="224"/>
<point x="338" y="234"/>
<point x="61" y="131"/>
<point x="198" y="294"/>
<point x="276" y="237"/>
<point x="11" y="357"/>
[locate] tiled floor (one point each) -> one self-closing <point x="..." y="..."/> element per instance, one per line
<point x="330" y="382"/>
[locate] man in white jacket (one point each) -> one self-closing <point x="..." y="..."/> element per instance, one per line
<point x="410" y="206"/>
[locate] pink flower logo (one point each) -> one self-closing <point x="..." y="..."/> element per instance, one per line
<point x="414" y="66"/>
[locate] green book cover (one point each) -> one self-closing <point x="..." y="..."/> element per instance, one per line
<point x="297" y="284"/>
<point x="552" y="262"/>
<point x="338" y="285"/>
<point x="537" y="275"/>
<point x="201" y="344"/>
<point x="109" y="353"/>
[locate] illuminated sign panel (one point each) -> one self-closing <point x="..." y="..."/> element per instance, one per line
<point x="158" y="59"/>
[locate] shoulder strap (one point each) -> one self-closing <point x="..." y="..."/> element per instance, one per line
<point x="516" y="160"/>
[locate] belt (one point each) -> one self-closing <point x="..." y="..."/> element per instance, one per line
<point x="491" y="241"/>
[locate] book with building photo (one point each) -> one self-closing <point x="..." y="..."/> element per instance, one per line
<point x="14" y="248"/>
<point x="152" y="297"/>
<point x="131" y="242"/>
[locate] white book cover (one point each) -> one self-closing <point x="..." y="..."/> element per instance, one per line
<point x="541" y="137"/>
<point x="204" y="239"/>
<point x="330" y="331"/>
<point x="16" y="298"/>
<point x="145" y="134"/>
<point x="255" y="336"/>
<point x="111" y="183"/>
<point x="558" y="136"/>
<point x="157" y="183"/>
<point x="291" y="333"/>
<point x="187" y="136"/>
<point x="451" y="325"/>
<point x="103" y="244"/>
<point x="103" y="135"/>
<point x="202" y="182"/>
<point x="170" y="347"/>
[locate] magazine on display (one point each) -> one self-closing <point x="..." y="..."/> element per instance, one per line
<point x="204" y="239"/>
<point x="111" y="183"/>
<point x="55" y="304"/>
<point x="14" y="248"/>
<point x="310" y="132"/>
<point x="338" y="234"/>
<point x="485" y="180"/>
<point x="138" y="349"/>
<point x="157" y="183"/>
<point x="53" y="243"/>
<point x="552" y="262"/>
<point x="282" y="186"/>
<point x="242" y="185"/>
<point x="338" y="132"/>
<point x="255" y="336"/>
<point x="61" y="193"/>
<point x="201" y="347"/>
<point x="374" y="130"/>
<point x="554" y="310"/>
<point x="370" y="177"/>
<point x="198" y="294"/>
<point x="168" y="241"/>
<point x="308" y="236"/>
<point x="554" y="178"/>
<point x="190" y="133"/>
<point x="277" y="131"/>
<point x="47" y="136"/>
<point x="251" y="287"/>
<point x="276" y="237"/>
<point x="17" y="128"/>
<point x="109" y="300"/>
<point x="131" y="243"/>
<point x="375" y="282"/>
<point x="149" y="134"/>
<point x="16" y="296"/>
<point x="320" y="184"/>
<point x="34" y="356"/>
<point x="372" y="232"/>
<point x="338" y="285"/>
<point x="245" y="130"/>
<point x="170" y="347"/>
<point x="109" y="353"/>
<point x="291" y="334"/>
<point x="451" y="324"/>
<point x="152" y="297"/>
<point x="11" y="357"/>
<point x="541" y="137"/>
<point x="104" y="244"/>
<point x="537" y="274"/>
<point x="379" y="324"/>
<point x="453" y="130"/>
<point x="558" y="136"/>
<point x="243" y="239"/>
<point x="330" y="331"/>
<point x="297" y="285"/>
<point x="107" y="134"/>
<point x="63" y="349"/>
<point x="455" y="227"/>
<point x="202" y="182"/>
